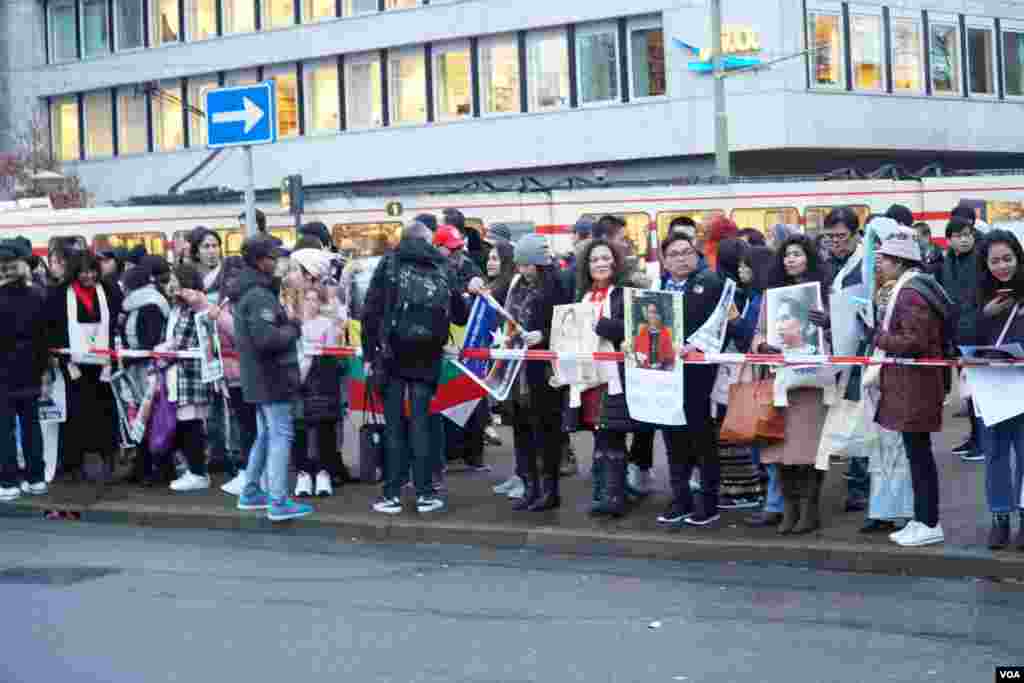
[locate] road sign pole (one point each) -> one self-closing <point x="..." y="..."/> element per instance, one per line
<point x="250" y="193"/>
<point x="722" y="161"/>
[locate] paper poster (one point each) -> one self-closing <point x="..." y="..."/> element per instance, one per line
<point x="53" y="406"/>
<point x="994" y="390"/>
<point x="488" y="328"/>
<point x="654" y="372"/>
<point x="845" y="310"/>
<point x="212" y="365"/>
<point x="710" y="338"/>
<point x="789" y="324"/>
<point x="134" y="390"/>
<point x="572" y="331"/>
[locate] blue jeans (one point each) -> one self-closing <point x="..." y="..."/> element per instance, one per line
<point x="858" y="486"/>
<point x="409" y="441"/>
<point x="1003" y="473"/>
<point x="773" y="501"/>
<point x="275" y="431"/>
<point x="21" y="414"/>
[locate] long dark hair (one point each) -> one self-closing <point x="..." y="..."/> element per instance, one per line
<point x="82" y="262"/>
<point x="814" y="272"/>
<point x="506" y="255"/>
<point x="227" y="282"/>
<point x="987" y="284"/>
<point x="584" y="283"/>
<point x="761" y="260"/>
<point x="730" y="251"/>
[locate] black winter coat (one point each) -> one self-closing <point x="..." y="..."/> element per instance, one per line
<point x="614" y="410"/>
<point x="539" y="320"/>
<point x="959" y="277"/>
<point x="23" y="350"/>
<point x="266" y="341"/>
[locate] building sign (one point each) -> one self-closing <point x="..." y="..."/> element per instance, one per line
<point x="740" y="45"/>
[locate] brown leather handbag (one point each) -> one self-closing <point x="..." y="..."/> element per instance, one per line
<point x="752" y="416"/>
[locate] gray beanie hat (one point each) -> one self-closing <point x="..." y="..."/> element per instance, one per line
<point x="532" y="250"/>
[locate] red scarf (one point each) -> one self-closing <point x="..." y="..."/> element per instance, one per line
<point x="597" y="297"/>
<point x="86" y="296"/>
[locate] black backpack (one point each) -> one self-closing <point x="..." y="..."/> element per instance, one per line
<point x="422" y="311"/>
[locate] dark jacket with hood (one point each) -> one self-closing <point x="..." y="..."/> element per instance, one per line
<point x="959" y="277"/>
<point x="23" y="347"/>
<point x="418" y="363"/>
<point x="266" y="340"/>
<point x="146" y="311"/>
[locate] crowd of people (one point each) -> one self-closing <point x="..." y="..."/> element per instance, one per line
<point x="277" y="407"/>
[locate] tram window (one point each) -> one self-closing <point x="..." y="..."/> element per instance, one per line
<point x="637" y="224"/>
<point x="286" y="235"/>
<point x="154" y="242"/>
<point x="1004" y="212"/>
<point x="76" y="242"/>
<point x="762" y="219"/>
<point x="698" y="216"/>
<point x="477" y="225"/>
<point x="231" y="240"/>
<point x="814" y="217"/>
<point x="361" y="240"/>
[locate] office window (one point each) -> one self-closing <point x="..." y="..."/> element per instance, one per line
<point x="239" y="16"/>
<point x="499" y="74"/>
<point x="597" y="63"/>
<point x="128" y="24"/>
<point x="401" y="4"/>
<point x="647" y="59"/>
<point x="350" y="8"/>
<point x="64" y="128"/>
<point x="131" y="122"/>
<point x="407" y="87"/>
<point x="286" y="89"/>
<point x="242" y="77"/>
<point x="99" y="125"/>
<point x="168" y="132"/>
<point x="547" y="75"/>
<point x="1013" y="62"/>
<point x="866" y="50"/>
<point x="907" y="60"/>
<point x="95" y="28"/>
<point x="198" y="86"/>
<point x="277" y="13"/>
<point x="980" y="60"/>
<point x="317" y="10"/>
<point x="63" y="31"/>
<point x="944" y="44"/>
<point x="201" y="19"/>
<point x="827" y="63"/>
<point x="164" y="22"/>
<point x="321" y="91"/>
<point x="453" y="97"/>
<point x="363" y="97"/>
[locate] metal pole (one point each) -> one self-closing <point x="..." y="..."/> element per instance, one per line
<point x="250" y="193"/>
<point x="722" y="161"/>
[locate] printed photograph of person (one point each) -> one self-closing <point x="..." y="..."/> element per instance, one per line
<point x="652" y="343"/>
<point x="789" y="324"/>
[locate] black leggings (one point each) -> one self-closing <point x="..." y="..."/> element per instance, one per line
<point x="610" y="444"/>
<point x="245" y="413"/>
<point x="323" y="455"/>
<point x="190" y="438"/>
<point x="924" y="476"/>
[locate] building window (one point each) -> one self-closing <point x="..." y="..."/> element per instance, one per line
<point x="242" y="77"/>
<point x="278" y="13"/>
<point x="597" y="62"/>
<point x="164" y="22"/>
<point x="407" y="89"/>
<point x="944" y="44"/>
<point x="350" y="8"/>
<point x="647" y="60"/>
<point x="63" y="31"/>
<point x="286" y="89"/>
<point x="99" y="125"/>
<point x="453" y="78"/>
<point x="980" y="60"/>
<point x="128" y="24"/>
<point x="547" y="59"/>
<point x="499" y="74"/>
<point x="64" y="128"/>
<point x="239" y="16"/>
<point x="401" y="4"/>
<point x="907" y="60"/>
<point x="321" y="91"/>
<point x="95" y="28"/>
<point x="363" y="97"/>
<point x="168" y="132"/>
<point x="131" y="122"/>
<point x="317" y="10"/>
<point x="866" y="52"/>
<point x="1013" y="62"/>
<point x="198" y="86"/>
<point x="828" y="65"/>
<point x="201" y="19"/>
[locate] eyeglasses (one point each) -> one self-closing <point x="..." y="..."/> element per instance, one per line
<point x="680" y="253"/>
<point x="835" y="236"/>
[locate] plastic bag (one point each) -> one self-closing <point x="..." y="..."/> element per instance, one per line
<point x="163" y="421"/>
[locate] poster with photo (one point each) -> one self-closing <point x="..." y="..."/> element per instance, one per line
<point x="789" y="323"/>
<point x="212" y="365"/>
<point x="654" y="372"/>
<point x="53" y="406"/>
<point x="572" y="331"/>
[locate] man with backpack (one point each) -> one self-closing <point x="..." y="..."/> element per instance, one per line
<point x="410" y="304"/>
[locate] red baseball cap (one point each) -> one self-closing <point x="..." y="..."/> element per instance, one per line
<point x="449" y="237"/>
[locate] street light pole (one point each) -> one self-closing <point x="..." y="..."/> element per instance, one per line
<point x="723" y="164"/>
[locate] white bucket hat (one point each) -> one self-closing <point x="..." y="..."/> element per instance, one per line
<point x="902" y="244"/>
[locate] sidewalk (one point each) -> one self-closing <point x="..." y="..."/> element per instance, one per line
<point x="475" y="516"/>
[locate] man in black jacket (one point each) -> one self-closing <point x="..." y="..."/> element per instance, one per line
<point x="23" y="361"/>
<point x="266" y="339"/>
<point x="408" y="369"/>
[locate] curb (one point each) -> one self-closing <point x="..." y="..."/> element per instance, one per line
<point x="943" y="562"/>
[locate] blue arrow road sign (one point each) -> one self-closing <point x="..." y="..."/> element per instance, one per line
<point x="243" y="115"/>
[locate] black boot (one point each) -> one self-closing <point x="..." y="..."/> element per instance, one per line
<point x="1020" y="533"/>
<point x="810" y="504"/>
<point x="790" y="502"/>
<point x="763" y="519"/>
<point x="614" y="503"/>
<point x="598" y="478"/>
<point x="549" y="498"/>
<point x="999" y="536"/>
<point x="530" y="496"/>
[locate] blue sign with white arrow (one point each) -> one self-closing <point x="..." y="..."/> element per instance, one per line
<point x="239" y="116"/>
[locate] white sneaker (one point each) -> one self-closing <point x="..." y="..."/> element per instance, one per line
<point x="695" y="481"/>
<point x="922" y="535"/>
<point x="236" y="485"/>
<point x="39" y="489"/>
<point x="517" y="491"/>
<point x="504" y="487"/>
<point x="10" y="494"/>
<point x="303" y="485"/>
<point x="633" y="476"/>
<point x="190" y="482"/>
<point x="324" y="487"/>
<point x="907" y="528"/>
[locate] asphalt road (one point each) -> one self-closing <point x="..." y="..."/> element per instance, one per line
<point x="119" y="604"/>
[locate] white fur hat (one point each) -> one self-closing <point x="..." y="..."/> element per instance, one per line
<point x="902" y="243"/>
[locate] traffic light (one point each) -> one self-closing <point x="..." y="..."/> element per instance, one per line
<point x="292" y="194"/>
